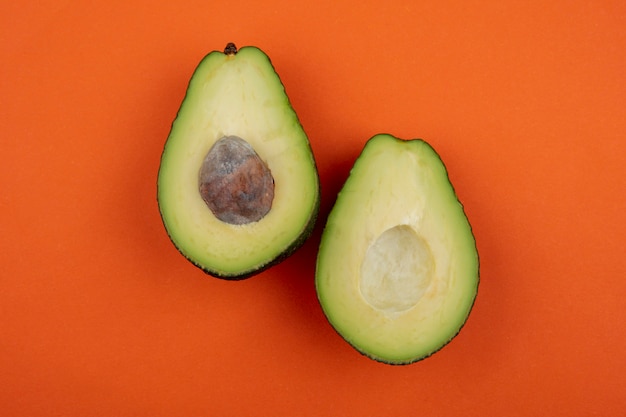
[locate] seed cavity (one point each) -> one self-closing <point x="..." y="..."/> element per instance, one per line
<point x="397" y="270"/>
<point x="235" y="183"/>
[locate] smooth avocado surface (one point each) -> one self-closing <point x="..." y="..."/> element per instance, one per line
<point x="397" y="269"/>
<point x="238" y="188"/>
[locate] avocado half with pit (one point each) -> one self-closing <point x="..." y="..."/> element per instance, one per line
<point x="238" y="188"/>
<point x="397" y="268"/>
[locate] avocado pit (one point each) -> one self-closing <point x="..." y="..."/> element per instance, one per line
<point x="235" y="183"/>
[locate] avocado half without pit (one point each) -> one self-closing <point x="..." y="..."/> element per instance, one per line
<point x="238" y="187"/>
<point x="397" y="268"/>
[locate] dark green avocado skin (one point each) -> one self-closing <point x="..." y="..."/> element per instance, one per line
<point x="290" y="250"/>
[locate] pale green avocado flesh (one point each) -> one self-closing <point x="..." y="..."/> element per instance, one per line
<point x="397" y="269"/>
<point x="237" y="96"/>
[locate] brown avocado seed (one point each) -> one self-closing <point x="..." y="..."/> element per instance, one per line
<point x="235" y="183"/>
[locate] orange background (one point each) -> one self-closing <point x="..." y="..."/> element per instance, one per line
<point x="99" y="314"/>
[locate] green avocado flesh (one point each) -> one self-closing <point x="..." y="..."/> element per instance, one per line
<point x="238" y="188"/>
<point x="397" y="268"/>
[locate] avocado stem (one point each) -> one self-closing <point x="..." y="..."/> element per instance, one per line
<point x="230" y="49"/>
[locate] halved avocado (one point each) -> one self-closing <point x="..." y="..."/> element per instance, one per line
<point x="238" y="187"/>
<point x="397" y="268"/>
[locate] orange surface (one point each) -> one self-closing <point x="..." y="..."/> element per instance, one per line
<point x="100" y="316"/>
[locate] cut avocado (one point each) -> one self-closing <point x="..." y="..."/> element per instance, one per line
<point x="238" y="188"/>
<point x="397" y="268"/>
